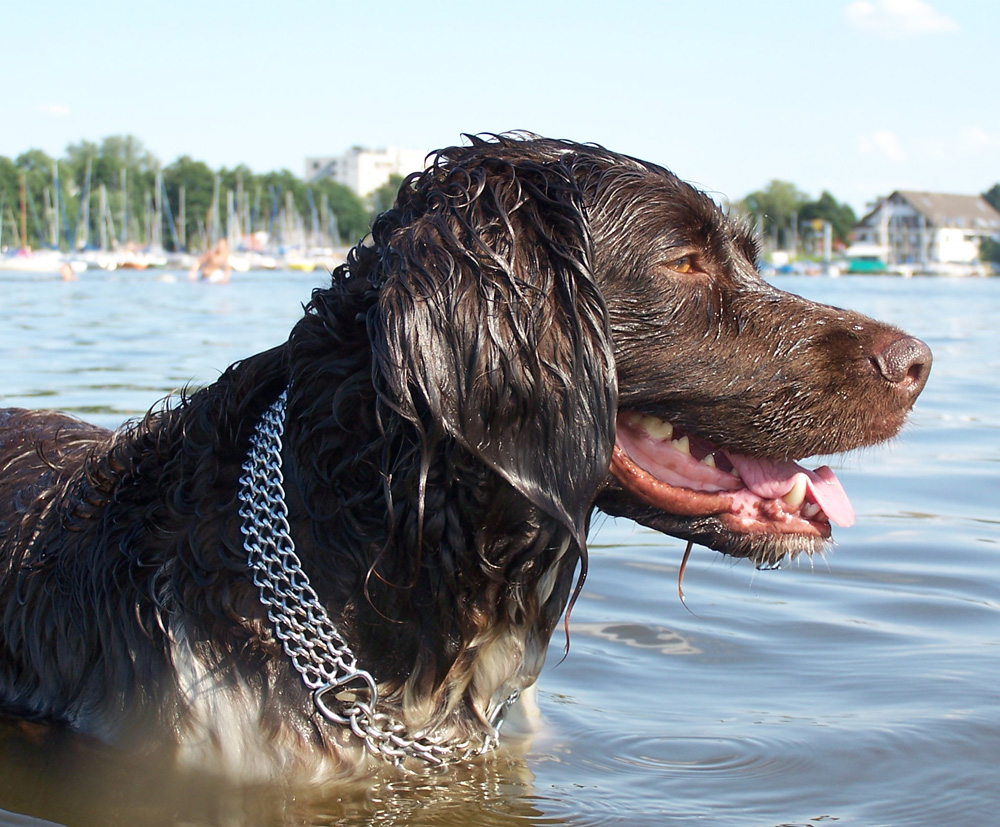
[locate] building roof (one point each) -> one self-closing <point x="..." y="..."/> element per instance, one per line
<point x="947" y="210"/>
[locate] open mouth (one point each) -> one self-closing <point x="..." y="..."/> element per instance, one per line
<point x="684" y="475"/>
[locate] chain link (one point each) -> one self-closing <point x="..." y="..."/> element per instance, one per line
<point x="316" y="649"/>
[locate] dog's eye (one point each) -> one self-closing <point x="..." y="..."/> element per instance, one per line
<point x="684" y="264"/>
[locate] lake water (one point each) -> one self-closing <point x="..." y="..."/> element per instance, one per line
<point x="858" y="689"/>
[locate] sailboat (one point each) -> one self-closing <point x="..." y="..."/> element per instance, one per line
<point x="25" y="260"/>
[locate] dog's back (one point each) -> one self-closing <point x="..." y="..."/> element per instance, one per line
<point x="84" y="544"/>
<point x="39" y="451"/>
<point x="53" y="491"/>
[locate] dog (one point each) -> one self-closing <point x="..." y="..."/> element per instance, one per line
<point x="356" y="546"/>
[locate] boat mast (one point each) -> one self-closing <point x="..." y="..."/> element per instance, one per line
<point x="215" y="229"/>
<point x="24" y="211"/>
<point x="85" y="211"/>
<point x="55" y="205"/>
<point x="182" y="219"/>
<point x="124" y="226"/>
<point x="104" y="217"/>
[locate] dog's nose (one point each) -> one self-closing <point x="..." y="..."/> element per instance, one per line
<point x="906" y="363"/>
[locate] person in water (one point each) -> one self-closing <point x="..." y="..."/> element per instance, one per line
<point x="213" y="264"/>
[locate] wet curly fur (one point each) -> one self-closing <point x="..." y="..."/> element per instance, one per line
<point x="451" y="418"/>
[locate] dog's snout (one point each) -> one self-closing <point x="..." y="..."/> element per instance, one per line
<point x="905" y="363"/>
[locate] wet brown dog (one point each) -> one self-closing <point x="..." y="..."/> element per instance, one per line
<point x="536" y="328"/>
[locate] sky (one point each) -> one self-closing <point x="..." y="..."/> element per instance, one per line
<point x="857" y="97"/>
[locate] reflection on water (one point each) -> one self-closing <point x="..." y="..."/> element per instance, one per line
<point x="859" y="688"/>
<point x="66" y="779"/>
<point x="664" y="641"/>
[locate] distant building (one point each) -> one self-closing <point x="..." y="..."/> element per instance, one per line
<point x="927" y="229"/>
<point x="365" y="170"/>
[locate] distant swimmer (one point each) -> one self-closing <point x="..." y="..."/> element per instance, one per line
<point x="213" y="264"/>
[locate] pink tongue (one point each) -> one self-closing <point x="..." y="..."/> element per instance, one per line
<point x="771" y="480"/>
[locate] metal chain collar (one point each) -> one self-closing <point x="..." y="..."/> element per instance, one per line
<point x="342" y="693"/>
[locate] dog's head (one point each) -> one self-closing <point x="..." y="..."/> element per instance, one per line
<point x="595" y="331"/>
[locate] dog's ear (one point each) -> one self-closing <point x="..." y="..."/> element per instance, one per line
<point x="490" y="328"/>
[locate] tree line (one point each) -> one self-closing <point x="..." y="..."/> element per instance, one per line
<point x="989" y="250"/>
<point x="116" y="189"/>
<point x="783" y="214"/>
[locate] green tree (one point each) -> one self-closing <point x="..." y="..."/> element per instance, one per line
<point x="240" y="182"/>
<point x="10" y="198"/>
<point x="197" y="181"/>
<point x="286" y="200"/>
<point x="78" y="155"/>
<point x="80" y="160"/>
<point x="774" y="209"/>
<point x="827" y="208"/>
<point x="126" y="193"/>
<point x="38" y="170"/>
<point x="126" y="171"/>
<point x="237" y="179"/>
<point x="122" y="172"/>
<point x="347" y="206"/>
<point x="385" y="196"/>
<point x="989" y="248"/>
<point x="993" y="196"/>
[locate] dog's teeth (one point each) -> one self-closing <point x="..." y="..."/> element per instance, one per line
<point x="657" y="428"/>
<point x="683" y="445"/>
<point x="810" y="510"/>
<point x="797" y="495"/>
<point x="709" y="460"/>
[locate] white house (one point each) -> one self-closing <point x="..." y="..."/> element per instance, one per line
<point x="924" y="230"/>
<point x="365" y="170"/>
